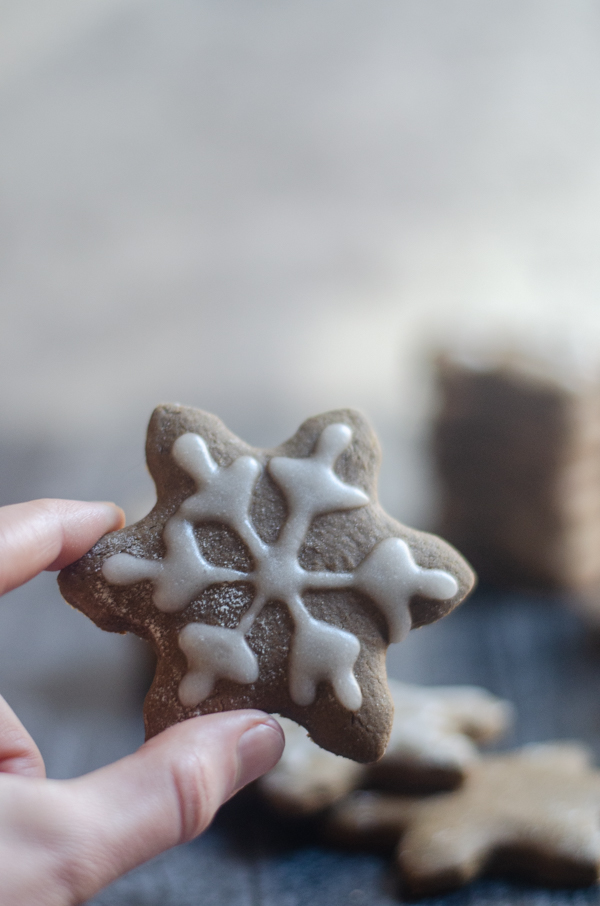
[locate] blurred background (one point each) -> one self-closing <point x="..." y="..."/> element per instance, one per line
<point x="267" y="210"/>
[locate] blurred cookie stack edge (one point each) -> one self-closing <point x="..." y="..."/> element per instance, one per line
<point x="518" y="453"/>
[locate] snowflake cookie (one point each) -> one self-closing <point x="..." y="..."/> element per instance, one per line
<point x="533" y="813"/>
<point x="269" y="579"/>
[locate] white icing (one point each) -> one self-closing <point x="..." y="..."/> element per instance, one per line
<point x="223" y="494"/>
<point x="213" y="653"/>
<point x="323" y="652"/>
<point x="310" y="485"/>
<point x="319" y="651"/>
<point x="178" y="578"/>
<point x="390" y="576"/>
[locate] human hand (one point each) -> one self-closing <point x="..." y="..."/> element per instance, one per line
<point x="61" y="841"/>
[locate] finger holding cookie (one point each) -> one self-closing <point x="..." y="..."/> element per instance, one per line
<point x="38" y="535"/>
<point x="62" y="841"/>
<point x="50" y="534"/>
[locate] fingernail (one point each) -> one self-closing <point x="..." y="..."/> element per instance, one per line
<point x="115" y="514"/>
<point x="259" y="749"/>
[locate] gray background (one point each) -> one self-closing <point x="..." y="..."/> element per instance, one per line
<point x="269" y="209"/>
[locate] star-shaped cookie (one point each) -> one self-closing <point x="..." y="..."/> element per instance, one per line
<point x="432" y="746"/>
<point x="269" y="578"/>
<point x="533" y="813"/>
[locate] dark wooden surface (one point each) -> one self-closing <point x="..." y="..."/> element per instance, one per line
<point x="532" y="651"/>
<point x="79" y="691"/>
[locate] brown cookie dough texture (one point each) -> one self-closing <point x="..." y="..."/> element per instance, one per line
<point x="433" y="744"/>
<point x="269" y="579"/>
<point x="533" y="813"/>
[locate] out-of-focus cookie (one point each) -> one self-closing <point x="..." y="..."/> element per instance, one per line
<point x="435" y="736"/>
<point x="307" y="778"/>
<point x="269" y="579"/>
<point x="517" y="446"/>
<point x="532" y="813"/>
<point x="434" y="739"/>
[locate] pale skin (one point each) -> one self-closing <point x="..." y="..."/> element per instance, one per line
<point x="62" y="841"/>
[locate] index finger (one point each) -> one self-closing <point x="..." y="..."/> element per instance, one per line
<point x="49" y="534"/>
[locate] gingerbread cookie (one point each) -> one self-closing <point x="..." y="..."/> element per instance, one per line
<point x="269" y="579"/>
<point x="435" y="735"/>
<point x="533" y="813"/>
<point x="517" y="446"/>
<point x="432" y="746"/>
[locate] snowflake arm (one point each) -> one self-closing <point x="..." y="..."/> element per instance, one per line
<point x="223" y="494"/>
<point x="311" y="486"/>
<point x="322" y="652"/>
<point x="179" y="577"/>
<point x="213" y="652"/>
<point x="390" y="576"/>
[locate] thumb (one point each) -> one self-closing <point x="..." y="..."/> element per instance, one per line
<point x="164" y="794"/>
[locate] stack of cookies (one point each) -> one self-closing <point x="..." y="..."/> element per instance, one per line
<point x="447" y="812"/>
<point x="518" y="452"/>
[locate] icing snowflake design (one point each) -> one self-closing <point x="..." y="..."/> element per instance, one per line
<point x="388" y="575"/>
